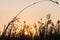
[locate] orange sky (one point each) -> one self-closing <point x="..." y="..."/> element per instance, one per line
<point x="9" y="8"/>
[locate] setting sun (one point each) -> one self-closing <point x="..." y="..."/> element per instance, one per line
<point x="26" y="33"/>
<point x="29" y="19"/>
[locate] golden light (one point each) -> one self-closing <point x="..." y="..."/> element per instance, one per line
<point x="26" y="33"/>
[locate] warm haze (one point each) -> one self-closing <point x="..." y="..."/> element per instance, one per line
<point x="9" y="8"/>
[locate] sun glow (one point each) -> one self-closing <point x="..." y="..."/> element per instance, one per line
<point x="26" y="33"/>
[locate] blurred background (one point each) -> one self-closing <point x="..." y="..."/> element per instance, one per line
<point x="9" y="8"/>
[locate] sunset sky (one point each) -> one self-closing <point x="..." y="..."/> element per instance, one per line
<point x="9" y="8"/>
